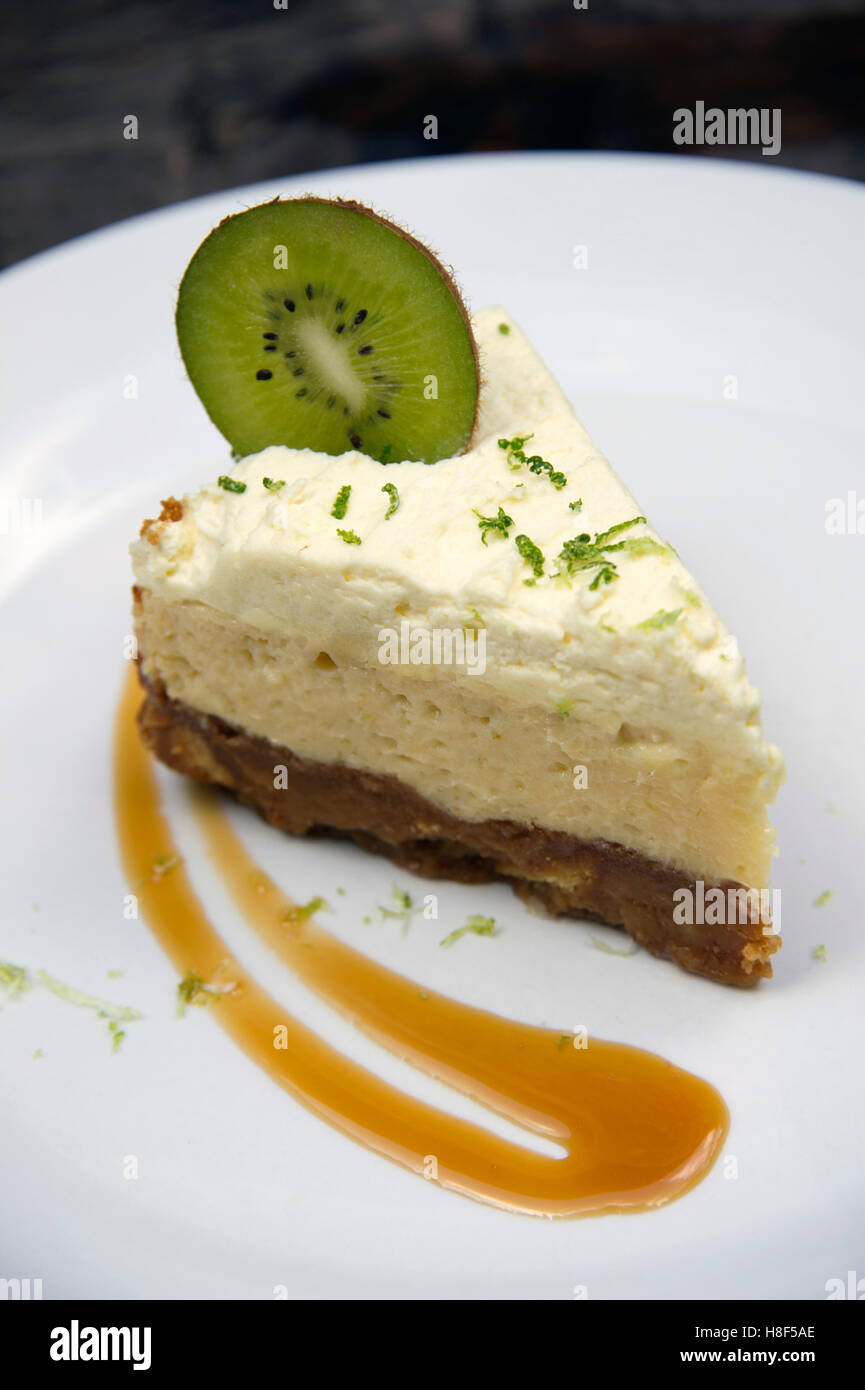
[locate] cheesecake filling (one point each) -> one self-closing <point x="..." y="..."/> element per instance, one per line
<point x="607" y="702"/>
<point x="461" y="747"/>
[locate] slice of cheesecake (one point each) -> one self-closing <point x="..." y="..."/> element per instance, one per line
<point x="488" y="667"/>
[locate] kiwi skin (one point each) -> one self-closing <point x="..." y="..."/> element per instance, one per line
<point x="444" y="273"/>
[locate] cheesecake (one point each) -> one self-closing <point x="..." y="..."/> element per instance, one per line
<point x="487" y="668"/>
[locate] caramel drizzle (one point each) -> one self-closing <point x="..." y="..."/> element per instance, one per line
<point x="636" y="1130"/>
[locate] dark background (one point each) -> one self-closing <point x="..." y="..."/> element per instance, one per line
<point x="232" y="91"/>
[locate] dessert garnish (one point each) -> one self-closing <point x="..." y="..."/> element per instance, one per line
<point x="323" y="326"/>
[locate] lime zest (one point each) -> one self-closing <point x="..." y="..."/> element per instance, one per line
<point x="393" y="506"/>
<point x="340" y="504"/>
<point x="402" y="911"/>
<point x="663" y="618"/>
<point x="297" y="914"/>
<point x="13" y="978"/>
<point x="497" y="525"/>
<point x="533" y="557"/>
<point x="474" y="925"/>
<point x="194" y="989"/>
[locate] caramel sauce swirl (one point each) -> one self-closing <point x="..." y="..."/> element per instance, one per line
<point x="636" y="1130"/>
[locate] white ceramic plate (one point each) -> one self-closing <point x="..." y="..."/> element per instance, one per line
<point x="697" y="273"/>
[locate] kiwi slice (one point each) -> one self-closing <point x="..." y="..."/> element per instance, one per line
<point x="320" y="325"/>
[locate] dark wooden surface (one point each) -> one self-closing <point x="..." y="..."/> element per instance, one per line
<point x="232" y="91"/>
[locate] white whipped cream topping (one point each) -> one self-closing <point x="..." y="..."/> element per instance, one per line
<point x="276" y="561"/>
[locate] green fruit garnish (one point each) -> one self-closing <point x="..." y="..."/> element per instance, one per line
<point x="319" y="325"/>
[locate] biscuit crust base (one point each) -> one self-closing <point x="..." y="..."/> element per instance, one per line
<point x="565" y="876"/>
